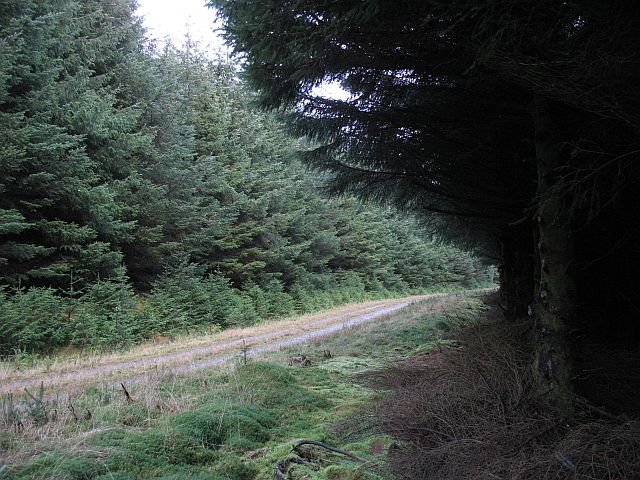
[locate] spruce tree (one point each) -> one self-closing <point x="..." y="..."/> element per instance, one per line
<point x="516" y="123"/>
<point x="51" y="193"/>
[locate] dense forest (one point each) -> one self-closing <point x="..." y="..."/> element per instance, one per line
<point x="142" y="194"/>
<point x="162" y="194"/>
<point x="516" y="124"/>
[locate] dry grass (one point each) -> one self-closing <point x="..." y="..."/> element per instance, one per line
<point x="472" y="412"/>
<point x="72" y="422"/>
<point x="593" y="450"/>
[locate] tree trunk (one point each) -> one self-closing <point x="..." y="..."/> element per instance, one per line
<point x="554" y="304"/>
<point x="517" y="270"/>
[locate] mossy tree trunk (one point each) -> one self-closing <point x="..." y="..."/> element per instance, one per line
<point x="553" y="307"/>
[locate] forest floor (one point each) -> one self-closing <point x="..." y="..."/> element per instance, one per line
<point x="234" y="418"/>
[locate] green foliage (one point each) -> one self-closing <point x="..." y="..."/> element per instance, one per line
<point x="141" y="193"/>
<point x="270" y="301"/>
<point x="105" y="314"/>
<point x="61" y="125"/>
<point x="184" y="296"/>
<point x="34" y="319"/>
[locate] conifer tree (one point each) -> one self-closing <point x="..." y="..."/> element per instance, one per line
<point x="512" y="121"/>
<point x="142" y="192"/>
<point x="53" y="201"/>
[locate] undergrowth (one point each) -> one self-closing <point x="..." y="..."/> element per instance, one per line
<point x="425" y="394"/>
<point x="37" y="324"/>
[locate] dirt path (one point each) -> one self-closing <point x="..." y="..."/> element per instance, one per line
<point x="194" y="353"/>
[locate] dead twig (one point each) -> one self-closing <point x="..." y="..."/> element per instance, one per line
<point x="73" y="412"/>
<point x="126" y="393"/>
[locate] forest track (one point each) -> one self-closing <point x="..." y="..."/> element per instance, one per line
<point x="143" y="363"/>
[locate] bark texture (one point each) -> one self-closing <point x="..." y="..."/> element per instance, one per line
<point x="553" y="307"/>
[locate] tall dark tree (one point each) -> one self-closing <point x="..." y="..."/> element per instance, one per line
<point x="498" y="116"/>
<point x="423" y="129"/>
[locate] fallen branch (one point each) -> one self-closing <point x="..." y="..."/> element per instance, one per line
<point x="281" y="469"/>
<point x="283" y="465"/>
<point x="331" y="448"/>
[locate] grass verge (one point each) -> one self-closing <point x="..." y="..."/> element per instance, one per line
<point x="232" y="422"/>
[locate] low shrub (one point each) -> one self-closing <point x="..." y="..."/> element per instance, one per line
<point x="183" y="298"/>
<point x="32" y="320"/>
<point x="105" y="315"/>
